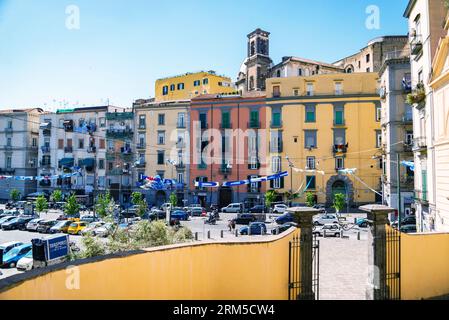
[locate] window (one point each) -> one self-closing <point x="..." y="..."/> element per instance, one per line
<point x="310" y="113"/>
<point x="277" y="184"/>
<point x="160" y="157"/>
<point x="80" y="143"/>
<point x="310" y="89"/>
<point x="339" y="163"/>
<point x="225" y="120"/>
<point x="276" y="142"/>
<point x="296" y="92"/>
<point x="34" y="142"/>
<point x="8" y="162"/>
<point x="310" y="163"/>
<point x="60" y="144"/>
<point x="253" y="163"/>
<point x="181" y="120"/>
<point x="102" y="144"/>
<point x="339" y="137"/>
<point x="180" y="177"/>
<point x="172" y="87"/>
<point x="378" y="139"/>
<point x="276" y="118"/>
<point x="69" y="143"/>
<point x="181" y="86"/>
<point x="311" y="182"/>
<point x="196" y="83"/>
<point x="338" y="88"/>
<point x="111" y="145"/>
<point x="378" y="113"/>
<point x="300" y="72"/>
<point x="141" y="140"/>
<point x="254" y="186"/>
<point x="276" y="91"/>
<point x="161" y="137"/>
<point x="110" y="166"/>
<point x="278" y="73"/>
<point x="276" y="164"/>
<point x="165" y="90"/>
<point x="205" y="81"/>
<point x="8" y="142"/>
<point x="203" y="120"/>
<point x="339" y="116"/>
<point x="409" y="138"/>
<point x="420" y="76"/>
<point x="9" y="124"/>
<point x="360" y="64"/>
<point x="81" y="122"/>
<point x="368" y="69"/>
<point x="142" y="121"/>
<point x="161" y="119"/>
<point x="310" y="139"/>
<point x="368" y="58"/>
<point x="101" y="164"/>
<point x="254" y="119"/>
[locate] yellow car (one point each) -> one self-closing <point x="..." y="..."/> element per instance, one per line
<point x="77" y="227"/>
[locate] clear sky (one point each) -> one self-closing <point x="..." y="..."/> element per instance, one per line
<point x="123" y="46"/>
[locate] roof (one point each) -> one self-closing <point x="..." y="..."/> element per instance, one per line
<point x="285" y="60"/>
<point x="22" y="110"/>
<point x="408" y="10"/>
<point x="210" y="72"/>
<point x="246" y="95"/>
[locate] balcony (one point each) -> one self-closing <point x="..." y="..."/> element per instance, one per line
<point x="119" y="133"/>
<point x="406" y="85"/>
<point x="68" y="126"/>
<point x="420" y="144"/>
<point x="6" y="171"/>
<point x="180" y="125"/>
<point x="142" y="126"/>
<point x="418" y="96"/>
<point x="276" y="94"/>
<point x="180" y="145"/>
<point x="180" y="166"/>
<point x="126" y="150"/>
<point x="45" y="164"/>
<point x="119" y="116"/>
<point x="92" y="149"/>
<point x="46" y="132"/>
<point x="68" y="149"/>
<point x="254" y="125"/>
<point x="9" y="130"/>
<point x="141" y="146"/>
<point x="421" y="196"/>
<point x="140" y="163"/>
<point x="45" y="149"/>
<point x="416" y="45"/>
<point x="383" y="92"/>
<point x="340" y="148"/>
<point x="408" y="147"/>
<point x="407" y="118"/>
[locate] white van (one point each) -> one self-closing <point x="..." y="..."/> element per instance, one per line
<point x="233" y="208"/>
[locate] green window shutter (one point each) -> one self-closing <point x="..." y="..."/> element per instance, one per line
<point x="310" y="113"/>
<point x="339" y="119"/>
<point x="254" y="118"/>
<point x="225" y="119"/>
<point x="276" y="119"/>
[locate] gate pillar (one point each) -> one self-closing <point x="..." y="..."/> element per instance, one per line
<point x="303" y="217"/>
<point x="377" y="253"/>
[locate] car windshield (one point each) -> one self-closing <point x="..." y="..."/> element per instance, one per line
<point x="60" y="224"/>
<point x="14" y="220"/>
<point x="74" y="225"/>
<point x="13" y="252"/>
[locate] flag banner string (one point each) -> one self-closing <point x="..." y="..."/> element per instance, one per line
<point x="351" y="172"/>
<point x="41" y="178"/>
<point x="240" y="182"/>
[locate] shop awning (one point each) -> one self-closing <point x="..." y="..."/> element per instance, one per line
<point x="89" y="162"/>
<point x="67" y="162"/>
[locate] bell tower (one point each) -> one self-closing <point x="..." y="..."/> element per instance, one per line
<point x="258" y="62"/>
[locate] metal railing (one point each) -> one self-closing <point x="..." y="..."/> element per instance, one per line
<point x="416" y="44"/>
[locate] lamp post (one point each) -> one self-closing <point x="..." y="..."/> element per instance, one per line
<point x="291" y="165"/>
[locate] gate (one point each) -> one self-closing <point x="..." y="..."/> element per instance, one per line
<point x="295" y="285"/>
<point x="391" y="289"/>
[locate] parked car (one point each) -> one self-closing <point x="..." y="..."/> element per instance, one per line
<point x="260" y="208"/>
<point x="410" y="228"/>
<point x="233" y="208"/>
<point x="11" y="258"/>
<point x="362" y="223"/>
<point x="244" y="218"/>
<point x="284" y="227"/>
<point x="179" y="215"/>
<point x="7" y="246"/>
<point x="320" y="207"/>
<point x="323" y="219"/>
<point x="9" y="205"/>
<point x="16" y="223"/>
<point x="328" y="230"/>
<point x="45" y="226"/>
<point x="61" y="227"/>
<point x="33" y="224"/>
<point x="89" y="219"/>
<point x="197" y="212"/>
<point x="279" y="208"/>
<point x="410" y="220"/>
<point x="20" y="205"/>
<point x="77" y="227"/>
<point x="285" y="218"/>
<point x="254" y="228"/>
<point x="105" y="230"/>
<point x="6" y="219"/>
<point x="92" y="227"/>
<point x="157" y="214"/>
<point x="26" y="262"/>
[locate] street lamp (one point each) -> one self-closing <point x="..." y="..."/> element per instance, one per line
<point x="291" y="165"/>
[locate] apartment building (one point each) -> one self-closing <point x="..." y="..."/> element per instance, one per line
<point x="228" y="145"/>
<point x="440" y="86"/>
<point x="320" y="125"/>
<point x="19" y="134"/>
<point x="426" y="20"/>
<point x="397" y="133"/>
<point x="70" y="141"/>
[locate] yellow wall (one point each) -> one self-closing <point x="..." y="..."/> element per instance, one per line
<point x="190" y="91"/>
<point x="360" y="125"/>
<point x="216" y="271"/>
<point x="424" y="265"/>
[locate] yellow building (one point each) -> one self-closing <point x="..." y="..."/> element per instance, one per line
<point x="190" y="85"/>
<point x="320" y="124"/>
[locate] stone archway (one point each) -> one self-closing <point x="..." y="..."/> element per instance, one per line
<point x="335" y="180"/>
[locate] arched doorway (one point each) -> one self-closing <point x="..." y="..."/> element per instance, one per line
<point x="339" y="184"/>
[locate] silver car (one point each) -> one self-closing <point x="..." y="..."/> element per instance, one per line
<point x="328" y="230"/>
<point x="324" y="219"/>
<point x="33" y="224"/>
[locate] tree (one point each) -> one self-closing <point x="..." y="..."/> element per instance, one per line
<point x="105" y="205"/>
<point x="270" y="197"/>
<point x="41" y="205"/>
<point x="136" y="198"/>
<point x="173" y="200"/>
<point x="15" y="195"/>
<point x="310" y="199"/>
<point x="339" y="202"/>
<point x="56" y="196"/>
<point x="72" y="207"/>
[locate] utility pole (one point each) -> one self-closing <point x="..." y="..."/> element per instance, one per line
<point x="398" y="177"/>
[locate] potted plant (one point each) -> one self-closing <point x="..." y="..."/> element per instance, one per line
<point x="417" y="96"/>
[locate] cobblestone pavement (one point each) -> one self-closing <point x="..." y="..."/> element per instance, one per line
<point x="344" y="267"/>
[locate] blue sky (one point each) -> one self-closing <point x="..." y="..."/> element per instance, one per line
<point x="123" y="46"/>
